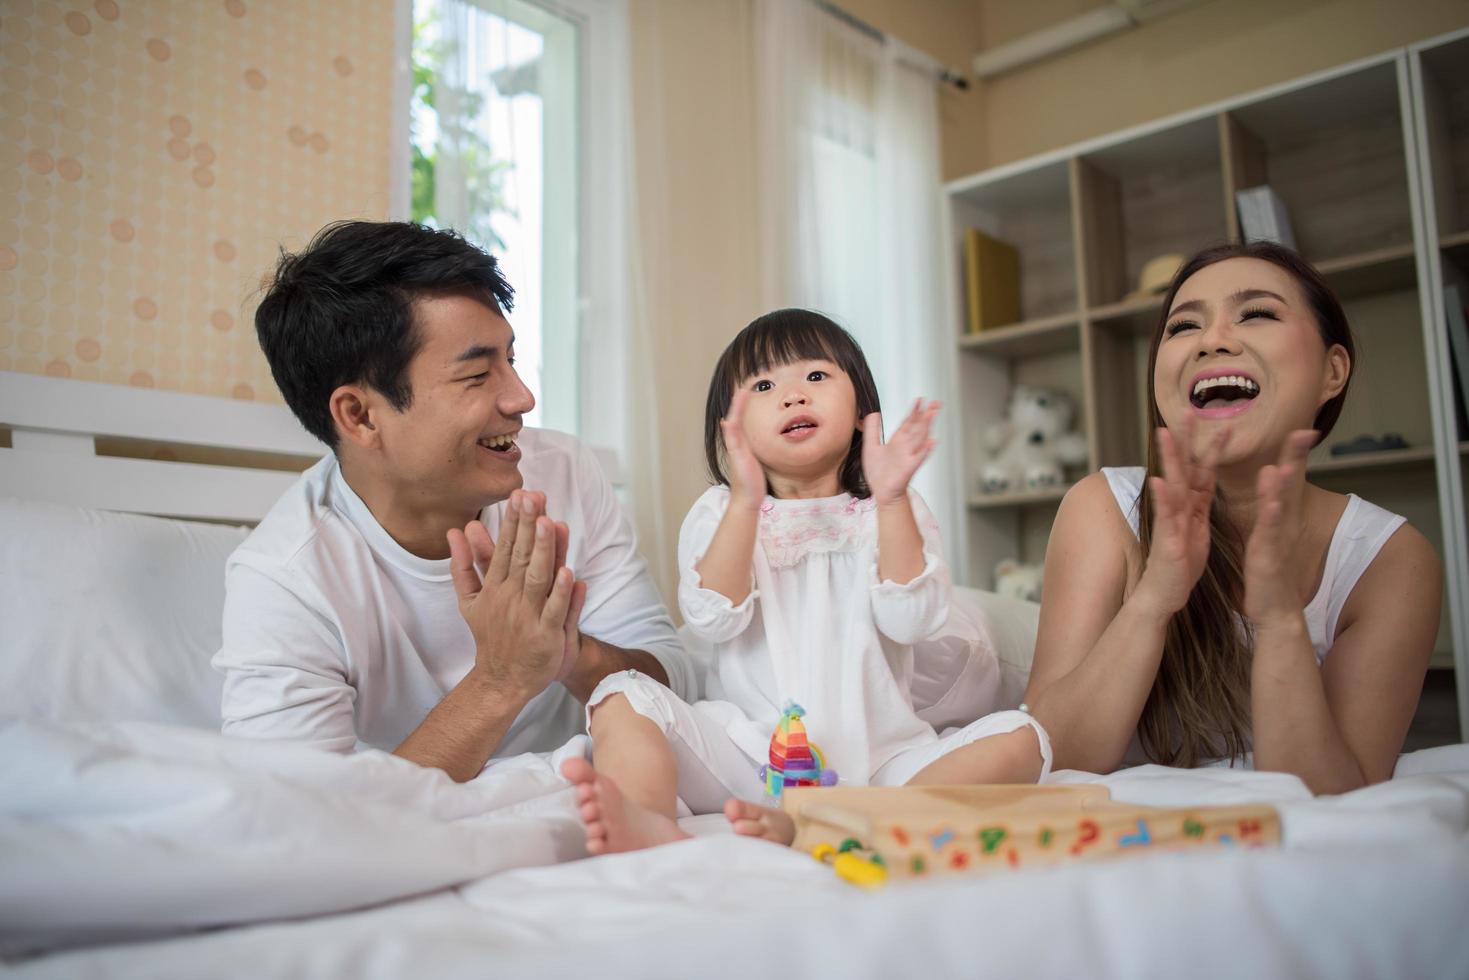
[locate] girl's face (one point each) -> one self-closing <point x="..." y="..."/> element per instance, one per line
<point x="800" y="417"/>
<point x="1241" y="348"/>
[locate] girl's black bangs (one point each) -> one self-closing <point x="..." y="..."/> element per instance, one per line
<point x="761" y="350"/>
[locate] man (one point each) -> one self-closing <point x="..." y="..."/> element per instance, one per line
<point x="370" y="606"/>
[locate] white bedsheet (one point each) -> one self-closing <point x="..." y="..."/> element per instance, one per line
<point x="153" y="834"/>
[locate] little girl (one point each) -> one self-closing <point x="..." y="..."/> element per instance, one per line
<point x="811" y="568"/>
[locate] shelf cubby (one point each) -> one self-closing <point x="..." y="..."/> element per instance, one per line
<point x="1144" y="198"/>
<point x="1010" y="526"/>
<point x="1446" y="110"/>
<point x="1336" y="148"/>
<point x="1032" y="212"/>
<point x="987" y="376"/>
<point x="1335" y="154"/>
<point x="1454" y="250"/>
<point x="1388" y="393"/>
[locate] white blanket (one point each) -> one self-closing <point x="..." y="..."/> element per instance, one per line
<point x="367" y="866"/>
<point x="118" y="831"/>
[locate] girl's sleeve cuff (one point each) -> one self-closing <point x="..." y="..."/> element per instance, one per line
<point x="711" y="615"/>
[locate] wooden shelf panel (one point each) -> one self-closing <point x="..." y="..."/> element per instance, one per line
<point x="1019" y="498"/>
<point x="1382" y="270"/>
<point x="1131" y="316"/>
<point x="1028" y="338"/>
<point x="1412" y="456"/>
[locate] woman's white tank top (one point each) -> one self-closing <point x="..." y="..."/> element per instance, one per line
<point x="1360" y="534"/>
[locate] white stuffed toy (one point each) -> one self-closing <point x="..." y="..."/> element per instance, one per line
<point x="1019" y="581"/>
<point x="1029" y="449"/>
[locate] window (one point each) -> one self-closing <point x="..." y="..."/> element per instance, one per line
<point x="493" y="139"/>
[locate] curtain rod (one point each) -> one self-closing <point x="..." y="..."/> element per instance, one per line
<point x="945" y="75"/>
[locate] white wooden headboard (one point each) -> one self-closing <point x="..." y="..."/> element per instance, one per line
<point x="57" y="425"/>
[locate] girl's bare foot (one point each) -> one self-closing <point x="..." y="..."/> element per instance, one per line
<point x="614" y="823"/>
<point x="753" y="820"/>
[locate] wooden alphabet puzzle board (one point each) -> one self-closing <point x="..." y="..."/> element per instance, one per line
<point x="923" y="830"/>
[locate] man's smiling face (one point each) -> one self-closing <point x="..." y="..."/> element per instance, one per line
<point x="453" y="447"/>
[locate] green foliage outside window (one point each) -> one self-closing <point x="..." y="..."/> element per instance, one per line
<point x="483" y="175"/>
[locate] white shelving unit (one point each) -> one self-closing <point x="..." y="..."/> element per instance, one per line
<point x="1372" y="161"/>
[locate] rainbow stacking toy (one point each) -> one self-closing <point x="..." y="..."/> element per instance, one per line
<point x="793" y="760"/>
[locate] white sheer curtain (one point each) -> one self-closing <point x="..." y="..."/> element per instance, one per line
<point x="621" y="402"/>
<point x="851" y="224"/>
<point x="502" y="134"/>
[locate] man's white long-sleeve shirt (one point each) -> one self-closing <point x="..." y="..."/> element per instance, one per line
<point x="336" y="636"/>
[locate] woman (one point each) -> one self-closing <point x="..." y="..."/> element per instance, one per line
<point x="1225" y="605"/>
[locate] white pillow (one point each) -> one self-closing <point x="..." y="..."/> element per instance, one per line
<point x="110" y="617"/>
<point x="1012" y="625"/>
<point x="979" y="662"/>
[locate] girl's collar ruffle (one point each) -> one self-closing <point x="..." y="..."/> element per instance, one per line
<point x="792" y="529"/>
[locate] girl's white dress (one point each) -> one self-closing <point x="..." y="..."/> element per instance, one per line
<point x="819" y="629"/>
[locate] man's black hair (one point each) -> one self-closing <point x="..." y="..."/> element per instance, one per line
<point x="340" y="311"/>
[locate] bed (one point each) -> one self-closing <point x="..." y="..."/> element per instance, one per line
<point x="136" y="841"/>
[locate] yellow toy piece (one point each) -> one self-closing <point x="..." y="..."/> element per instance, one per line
<point x="852" y="864"/>
<point x="860" y="871"/>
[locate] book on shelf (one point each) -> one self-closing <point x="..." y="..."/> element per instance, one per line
<point x="1262" y="216"/>
<point x="991" y="281"/>
<point x="1457" y="313"/>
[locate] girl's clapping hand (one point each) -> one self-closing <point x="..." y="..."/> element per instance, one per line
<point x="889" y="466"/>
<point x="746" y="475"/>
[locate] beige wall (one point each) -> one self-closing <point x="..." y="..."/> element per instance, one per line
<point x="693" y="92"/>
<point x="153" y="154"/>
<point x="1212" y="51"/>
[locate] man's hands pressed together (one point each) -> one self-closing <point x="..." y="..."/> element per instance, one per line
<point x="521" y="602"/>
<point x="522" y="605"/>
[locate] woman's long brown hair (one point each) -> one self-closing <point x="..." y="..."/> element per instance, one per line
<point x="1199" y="707"/>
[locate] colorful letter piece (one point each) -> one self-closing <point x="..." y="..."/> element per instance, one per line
<point x="1140" y="839"/>
<point x="1088" y="833"/>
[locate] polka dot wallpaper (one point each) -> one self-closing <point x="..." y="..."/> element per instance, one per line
<point x="154" y="154"/>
